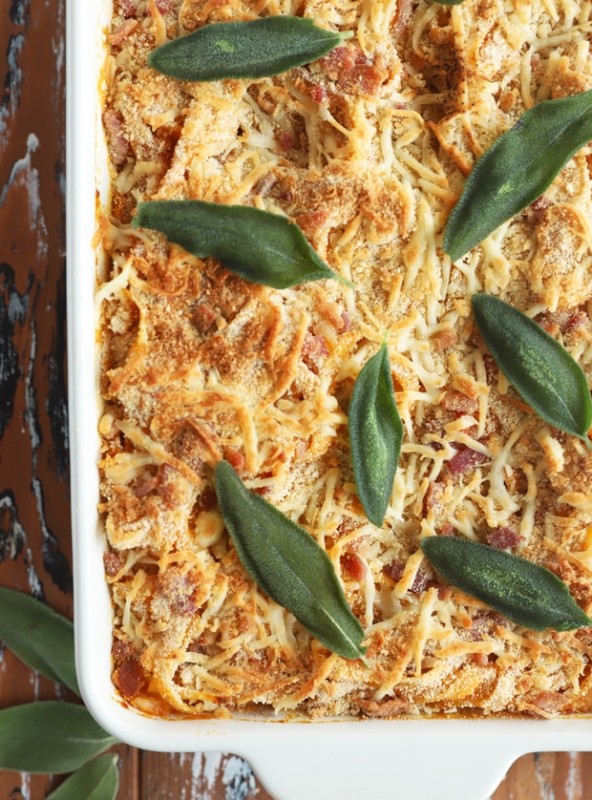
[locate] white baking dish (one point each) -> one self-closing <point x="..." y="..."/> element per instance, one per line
<point x="454" y="759"/>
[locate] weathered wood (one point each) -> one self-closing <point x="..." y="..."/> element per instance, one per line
<point x="198" y="776"/>
<point x="543" y="776"/>
<point x="34" y="503"/>
<point x="35" y="551"/>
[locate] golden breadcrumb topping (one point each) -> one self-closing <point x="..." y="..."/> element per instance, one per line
<point x="367" y="150"/>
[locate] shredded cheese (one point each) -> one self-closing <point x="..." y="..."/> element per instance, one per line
<point x="366" y="150"/>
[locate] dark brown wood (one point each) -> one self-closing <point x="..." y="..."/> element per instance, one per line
<point x="35" y="551"/>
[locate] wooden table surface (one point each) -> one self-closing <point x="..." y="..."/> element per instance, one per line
<point x="35" y="551"/>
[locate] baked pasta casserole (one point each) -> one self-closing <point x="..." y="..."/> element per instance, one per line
<point x="366" y="149"/>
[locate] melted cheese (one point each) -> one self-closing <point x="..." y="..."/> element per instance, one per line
<point x="366" y="150"/>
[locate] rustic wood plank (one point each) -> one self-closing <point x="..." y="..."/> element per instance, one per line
<point x="548" y="776"/>
<point x="34" y="505"/>
<point x="198" y="776"/>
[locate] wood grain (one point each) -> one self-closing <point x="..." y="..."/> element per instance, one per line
<point x="35" y="552"/>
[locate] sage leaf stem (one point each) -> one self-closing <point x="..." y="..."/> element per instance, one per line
<point x="375" y="433"/>
<point x="97" y="780"/>
<point x="41" y="638"/>
<point x="539" y="368"/>
<point x="524" y="592"/>
<point x="259" y="246"/>
<point x="255" y="49"/>
<point x="517" y="169"/>
<point x="49" y="736"/>
<point x="288" y="565"/>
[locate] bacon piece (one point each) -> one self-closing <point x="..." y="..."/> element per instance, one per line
<point x="576" y="321"/>
<point x="421" y="582"/>
<point x="404" y="11"/>
<point x="145" y="486"/>
<point x="264" y="185"/>
<point x="314" y="352"/>
<point x="164" y="6"/>
<point x="459" y="403"/>
<point x="565" y="321"/>
<point x="483" y="623"/>
<point x="491" y="370"/>
<point x="202" y="644"/>
<point x="385" y="709"/>
<point x="502" y="538"/>
<point x="338" y="61"/>
<point x="128" y="8"/>
<point x="546" y="704"/>
<point x="113" y="563"/>
<point x="206" y="501"/>
<point x="130" y="679"/>
<point x="318" y="93"/>
<point x="353" y="565"/>
<point x="286" y="140"/>
<point x="204" y="317"/>
<point x="119" y="146"/>
<point x="235" y="458"/>
<point x="539" y="206"/>
<point x="121" y="651"/>
<point x="549" y="322"/>
<point x="353" y="71"/>
<point x="125" y="29"/>
<point x="433" y="496"/>
<point x="168" y="136"/>
<point x="262" y="490"/>
<point x="179" y="591"/>
<point x="161" y="484"/>
<point x="394" y="570"/>
<point x="311" y="221"/>
<point x="465" y="459"/>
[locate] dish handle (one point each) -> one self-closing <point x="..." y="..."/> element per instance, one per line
<point x="417" y="763"/>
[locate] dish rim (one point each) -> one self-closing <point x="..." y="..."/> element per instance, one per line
<point x="491" y="744"/>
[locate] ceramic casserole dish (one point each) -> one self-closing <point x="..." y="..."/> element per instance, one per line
<point x="458" y="759"/>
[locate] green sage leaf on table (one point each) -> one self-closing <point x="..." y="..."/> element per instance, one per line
<point x="524" y="592"/>
<point x="255" y="49"/>
<point x="539" y="368"/>
<point x="517" y="169"/>
<point x="288" y="565"/>
<point x="97" y="780"/>
<point x="259" y="246"/>
<point x="49" y="736"/>
<point x="41" y="638"/>
<point x="375" y="433"/>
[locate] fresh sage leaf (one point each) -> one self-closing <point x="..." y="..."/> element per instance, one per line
<point x="448" y="2"/>
<point x="259" y="246"/>
<point x="97" y="780"/>
<point x="255" y="49"/>
<point x="41" y="638"/>
<point x="375" y="433"/>
<point x="517" y="169"/>
<point x="49" y="736"/>
<point x="526" y="593"/>
<point x="288" y="564"/>
<point x="539" y="368"/>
